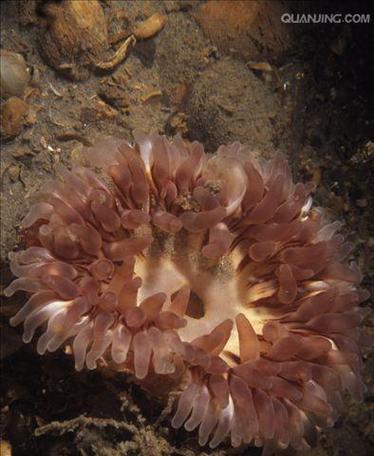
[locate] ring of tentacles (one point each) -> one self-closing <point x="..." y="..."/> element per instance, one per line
<point x="208" y="274"/>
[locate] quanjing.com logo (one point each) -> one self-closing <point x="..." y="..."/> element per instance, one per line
<point x="338" y="18"/>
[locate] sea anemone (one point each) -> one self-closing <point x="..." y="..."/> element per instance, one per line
<point x="208" y="274"/>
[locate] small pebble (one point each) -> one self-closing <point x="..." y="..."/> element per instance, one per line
<point x="13" y="116"/>
<point x="14" y="74"/>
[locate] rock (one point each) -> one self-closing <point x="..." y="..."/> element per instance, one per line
<point x="228" y="103"/>
<point x="76" y="35"/>
<point x="253" y="30"/>
<point x="13" y="115"/>
<point x="14" y="74"/>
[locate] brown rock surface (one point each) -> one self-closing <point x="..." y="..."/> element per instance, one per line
<point x="249" y="29"/>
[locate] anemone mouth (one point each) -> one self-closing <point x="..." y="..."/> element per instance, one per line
<point x="218" y="290"/>
<point x="213" y="274"/>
